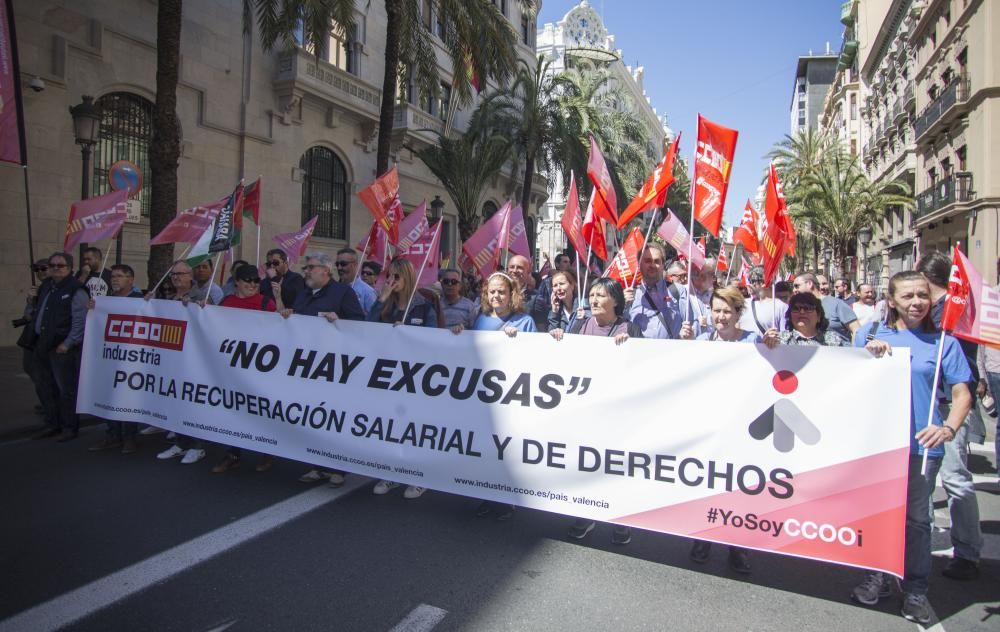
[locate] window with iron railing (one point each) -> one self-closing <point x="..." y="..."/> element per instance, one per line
<point x="324" y="192"/>
<point x="126" y="133"/>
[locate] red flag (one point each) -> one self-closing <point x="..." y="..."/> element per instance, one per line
<point x="722" y="264"/>
<point x="654" y="191"/>
<point x="412" y="227"/>
<point x="190" y="224"/>
<point x="294" y="244"/>
<point x="96" y="219"/>
<point x="713" y="163"/>
<point x="972" y="308"/>
<point x="744" y="279"/>
<point x="515" y="238"/>
<point x="772" y="250"/>
<point x="381" y="196"/>
<point x="673" y="232"/>
<point x="251" y="200"/>
<point x="700" y="244"/>
<point x="746" y="233"/>
<point x="425" y="252"/>
<point x="482" y="248"/>
<point x="375" y="245"/>
<point x="593" y="229"/>
<point x="606" y="204"/>
<point x="776" y="210"/>
<point x="625" y="264"/>
<point x="571" y="222"/>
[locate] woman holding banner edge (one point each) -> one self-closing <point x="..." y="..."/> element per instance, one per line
<point x="909" y="324"/>
<point x="607" y="306"/>
<point x="400" y="304"/>
<point x="501" y="309"/>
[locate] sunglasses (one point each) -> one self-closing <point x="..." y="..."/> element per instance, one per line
<point x="253" y="280"/>
<point x="343" y="264"/>
<point x="40" y="268"/>
<point x="449" y="281"/>
<point x="58" y="266"/>
<point x="272" y="264"/>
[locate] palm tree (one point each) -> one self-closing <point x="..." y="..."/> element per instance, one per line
<point x="165" y="148"/>
<point x="465" y="165"/>
<point x="836" y="199"/>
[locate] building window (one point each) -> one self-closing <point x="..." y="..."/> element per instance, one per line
<point x="854" y="107"/>
<point x="126" y="133"/>
<point x="324" y="192"/>
<point x="444" y="101"/>
<point x="961" y="154"/>
<point x="526" y="29"/>
<point x="425" y="14"/>
<point x="489" y="209"/>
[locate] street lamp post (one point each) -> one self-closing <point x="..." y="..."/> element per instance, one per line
<point x="865" y="238"/>
<point x="827" y="260"/>
<point x="86" y="125"/>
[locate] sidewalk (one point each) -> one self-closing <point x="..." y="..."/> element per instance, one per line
<point x="17" y="394"/>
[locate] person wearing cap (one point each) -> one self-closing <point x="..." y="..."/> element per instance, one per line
<point x="247" y="296"/>
<point x="806" y="325"/>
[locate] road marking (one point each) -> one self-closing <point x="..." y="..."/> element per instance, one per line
<point x="97" y="595"/>
<point x="423" y="618"/>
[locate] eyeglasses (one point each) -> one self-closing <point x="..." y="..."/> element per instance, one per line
<point x="58" y="266"/>
<point x="273" y="264"/>
<point x="802" y="308"/>
<point x="449" y="281"/>
<point x="173" y="274"/>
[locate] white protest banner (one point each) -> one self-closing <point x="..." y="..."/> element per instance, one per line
<point x="730" y="443"/>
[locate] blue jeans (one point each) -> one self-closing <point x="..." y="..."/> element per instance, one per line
<point x="993" y="380"/>
<point x="956" y="479"/>
<point x="917" y="555"/>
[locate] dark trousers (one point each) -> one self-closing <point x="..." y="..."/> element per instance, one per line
<point x="30" y="365"/>
<point x="58" y="377"/>
<point x="122" y="430"/>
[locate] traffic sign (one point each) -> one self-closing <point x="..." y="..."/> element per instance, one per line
<point x="125" y="174"/>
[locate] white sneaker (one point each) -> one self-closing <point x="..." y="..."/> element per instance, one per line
<point x="336" y="479"/>
<point x="193" y="455"/>
<point x="151" y="430"/>
<point x="170" y="453"/>
<point x="413" y="491"/>
<point x="383" y="487"/>
<point x="313" y="476"/>
<point x="171" y="436"/>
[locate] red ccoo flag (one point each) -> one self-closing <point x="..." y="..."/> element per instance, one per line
<point x="96" y="219"/>
<point x="654" y="191"/>
<point x="606" y="204"/>
<point x="972" y="308"/>
<point x="776" y="209"/>
<point x="713" y="161"/>
<point x="746" y="233"/>
<point x="571" y="222"/>
<point x="593" y="229"/>
<point x="722" y="264"/>
<point x="624" y="267"/>
<point x="381" y="197"/>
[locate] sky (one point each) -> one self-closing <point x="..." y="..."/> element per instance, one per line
<point x="731" y="60"/>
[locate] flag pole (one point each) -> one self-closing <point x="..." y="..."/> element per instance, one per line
<point x="107" y="253"/>
<point x="167" y="273"/>
<point x="732" y="261"/>
<point x="211" y="280"/>
<point x="437" y="235"/>
<point x="579" y="287"/>
<point x="361" y="260"/>
<point x="689" y="266"/>
<point x="649" y="229"/>
<point x="257" y="255"/>
<point x="933" y="403"/>
<point x="586" y="270"/>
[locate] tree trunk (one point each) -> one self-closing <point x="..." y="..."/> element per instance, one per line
<point x="529" y="172"/>
<point x="387" y="111"/>
<point x="165" y="149"/>
<point x="465" y="227"/>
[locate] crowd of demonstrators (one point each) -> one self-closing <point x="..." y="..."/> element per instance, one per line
<point x="661" y="306"/>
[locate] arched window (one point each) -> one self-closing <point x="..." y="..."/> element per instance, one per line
<point x="489" y="208"/>
<point x="324" y="192"/>
<point x="126" y="133"/>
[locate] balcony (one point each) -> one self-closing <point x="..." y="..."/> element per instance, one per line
<point x="954" y="94"/>
<point x="946" y="191"/>
<point x="909" y="96"/>
<point x="898" y="111"/>
<point x="846" y="10"/>
<point x="299" y="73"/>
<point x="416" y="125"/>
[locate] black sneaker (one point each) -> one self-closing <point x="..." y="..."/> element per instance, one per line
<point x="700" y="550"/>
<point x="621" y="535"/>
<point x="961" y="568"/>
<point x="504" y="513"/>
<point x="580" y="529"/>
<point x="484" y="509"/>
<point x="916" y="608"/>
<point x="739" y="560"/>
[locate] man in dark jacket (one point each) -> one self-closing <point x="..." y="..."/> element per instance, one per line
<point x="58" y="324"/>
<point x="281" y="281"/>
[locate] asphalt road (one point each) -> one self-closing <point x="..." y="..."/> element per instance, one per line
<point x="101" y="541"/>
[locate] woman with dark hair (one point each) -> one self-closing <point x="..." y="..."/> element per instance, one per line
<point x="806" y="325"/>
<point x="391" y="308"/>
<point x="909" y="324"/>
<point x="607" y="306"/>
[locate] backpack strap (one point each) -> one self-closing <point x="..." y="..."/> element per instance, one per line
<point x="753" y="308"/>
<point x="872" y="331"/>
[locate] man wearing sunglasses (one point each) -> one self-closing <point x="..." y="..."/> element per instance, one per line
<point x="455" y="308"/>
<point x="347" y="270"/>
<point x="58" y="324"/>
<point x="281" y="281"/>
